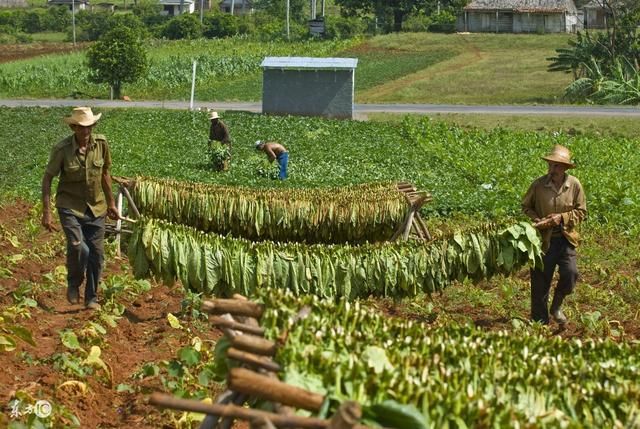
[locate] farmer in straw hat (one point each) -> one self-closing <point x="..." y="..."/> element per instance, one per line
<point x="557" y="204"/>
<point x="218" y="130"/>
<point x="83" y="199"/>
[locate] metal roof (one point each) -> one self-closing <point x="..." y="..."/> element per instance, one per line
<point x="524" y="6"/>
<point x="309" y="63"/>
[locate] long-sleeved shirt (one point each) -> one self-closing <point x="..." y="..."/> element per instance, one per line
<point x="543" y="198"/>
<point x="219" y="132"/>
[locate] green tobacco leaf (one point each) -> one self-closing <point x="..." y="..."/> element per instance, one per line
<point x="23" y="333"/>
<point x="7" y="344"/>
<point x="69" y="339"/>
<point x="392" y="414"/>
<point x="189" y="356"/>
<point x="377" y="359"/>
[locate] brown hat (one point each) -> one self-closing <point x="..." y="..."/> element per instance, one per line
<point x="560" y="154"/>
<point x="82" y="116"/>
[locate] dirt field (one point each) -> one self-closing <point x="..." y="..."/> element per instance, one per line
<point x="142" y="335"/>
<point x="22" y="51"/>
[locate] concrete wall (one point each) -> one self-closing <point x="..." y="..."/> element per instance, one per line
<point x="325" y="93"/>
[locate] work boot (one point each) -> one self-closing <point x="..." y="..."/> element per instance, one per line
<point x="73" y="296"/>
<point x="556" y="311"/>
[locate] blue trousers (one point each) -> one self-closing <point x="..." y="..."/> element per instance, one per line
<point x="85" y="250"/>
<point x="283" y="161"/>
<point x="560" y="254"/>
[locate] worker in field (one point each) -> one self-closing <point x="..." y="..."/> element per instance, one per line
<point x="218" y="130"/>
<point x="275" y="151"/>
<point x="557" y="204"/>
<point x="81" y="162"/>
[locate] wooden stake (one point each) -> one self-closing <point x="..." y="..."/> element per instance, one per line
<point x="271" y="389"/>
<point x="254" y="344"/>
<point x="252" y="359"/>
<point x="237" y="326"/>
<point x="235" y="307"/>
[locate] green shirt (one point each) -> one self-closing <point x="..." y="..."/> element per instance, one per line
<point x="543" y="198"/>
<point x="80" y="175"/>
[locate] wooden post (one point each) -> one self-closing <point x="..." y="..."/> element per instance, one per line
<point x="118" y="222"/>
<point x="132" y="205"/>
<point x="253" y="359"/>
<point x="271" y="389"/>
<point x="233" y="307"/>
<point x="237" y="326"/>
<point x="254" y="344"/>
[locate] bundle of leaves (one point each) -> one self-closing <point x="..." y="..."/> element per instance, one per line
<point x="219" y="155"/>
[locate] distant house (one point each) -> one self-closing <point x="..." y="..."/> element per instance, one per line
<point x="595" y="15"/>
<point x="519" y="16"/>
<point x="240" y="7"/>
<point x="13" y="3"/>
<point x="176" y="7"/>
<point x="71" y="4"/>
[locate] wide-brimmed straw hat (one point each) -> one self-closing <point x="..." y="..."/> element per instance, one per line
<point x="213" y="115"/>
<point x="82" y="116"/>
<point x="561" y="155"/>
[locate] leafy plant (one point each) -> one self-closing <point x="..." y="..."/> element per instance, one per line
<point x="219" y="155"/>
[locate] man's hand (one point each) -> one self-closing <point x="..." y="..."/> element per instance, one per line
<point x="112" y="212"/>
<point x="549" y="221"/>
<point x="46" y="221"/>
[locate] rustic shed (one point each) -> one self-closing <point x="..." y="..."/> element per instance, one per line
<point x="519" y="16"/>
<point x="177" y="7"/>
<point x="309" y="86"/>
<point x="595" y="15"/>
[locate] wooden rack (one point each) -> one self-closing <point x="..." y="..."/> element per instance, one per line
<point x="412" y="221"/>
<point x="257" y="377"/>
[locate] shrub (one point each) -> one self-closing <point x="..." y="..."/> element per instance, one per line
<point x="417" y="23"/>
<point x="184" y="26"/>
<point x="338" y="27"/>
<point x="443" y="22"/>
<point x="220" y="25"/>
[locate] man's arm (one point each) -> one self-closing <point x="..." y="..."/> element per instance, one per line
<point x="270" y="153"/>
<point x="112" y="210"/>
<point x="46" y="201"/>
<point x="579" y="211"/>
<point x="528" y="203"/>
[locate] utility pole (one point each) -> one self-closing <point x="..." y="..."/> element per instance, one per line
<point x="73" y="20"/>
<point x="201" y="10"/>
<point x="232" y="6"/>
<point x="288" y="5"/>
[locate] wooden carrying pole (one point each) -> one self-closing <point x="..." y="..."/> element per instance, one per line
<point x="241" y="413"/>
<point x="261" y="386"/>
<point x="235" y="307"/>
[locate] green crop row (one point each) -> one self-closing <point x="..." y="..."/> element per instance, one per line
<point x="222" y="265"/>
<point x="455" y="376"/>
<point x="170" y="69"/>
<point x="479" y="173"/>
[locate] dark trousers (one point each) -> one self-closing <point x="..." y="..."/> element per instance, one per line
<point x="560" y="254"/>
<point x="85" y="250"/>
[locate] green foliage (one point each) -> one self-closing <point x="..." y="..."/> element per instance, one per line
<point x="455" y="376"/>
<point x="185" y="26"/>
<point x="221" y="266"/>
<point x="220" y="25"/>
<point x="119" y="57"/>
<point x="219" y="155"/>
<point x="339" y="27"/>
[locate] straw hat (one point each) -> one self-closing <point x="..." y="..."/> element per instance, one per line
<point x="82" y="116"/>
<point x="560" y="154"/>
<point x="213" y="115"/>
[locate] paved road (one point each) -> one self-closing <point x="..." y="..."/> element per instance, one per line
<point x="360" y="109"/>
